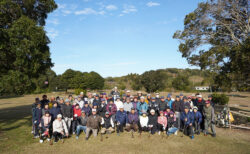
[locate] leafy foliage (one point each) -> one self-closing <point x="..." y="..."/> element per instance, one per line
<point x="220" y="99"/>
<point x="181" y="82"/>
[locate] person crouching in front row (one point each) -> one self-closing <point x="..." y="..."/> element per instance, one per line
<point x="59" y="128"/>
<point x="93" y="123"/>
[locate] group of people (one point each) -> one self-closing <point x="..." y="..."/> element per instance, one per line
<point x="58" y="118"/>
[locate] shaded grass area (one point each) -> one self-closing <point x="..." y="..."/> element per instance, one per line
<point x="15" y="137"/>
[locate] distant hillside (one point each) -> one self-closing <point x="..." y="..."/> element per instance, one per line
<point x="195" y="77"/>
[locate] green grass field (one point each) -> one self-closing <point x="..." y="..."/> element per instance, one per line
<point x="15" y="137"/>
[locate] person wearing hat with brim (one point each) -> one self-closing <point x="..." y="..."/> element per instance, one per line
<point x="153" y="105"/>
<point x="181" y="97"/>
<point x="128" y="105"/>
<point x="37" y="118"/>
<point x="93" y="123"/>
<point x="152" y="122"/>
<point x="162" y="122"/>
<point x="59" y="128"/>
<point x="46" y="123"/>
<point x="97" y="101"/>
<point x="124" y="97"/>
<point x="139" y="94"/>
<point x="107" y="124"/>
<point x="187" y="118"/>
<point x="163" y="104"/>
<point x="199" y="103"/>
<point x="61" y="103"/>
<point x="112" y="109"/>
<point x="115" y="92"/>
<point x="143" y="122"/>
<point x="209" y="119"/>
<point x="169" y="101"/>
<point x="67" y="113"/>
<point x="197" y="120"/>
<point x="142" y="106"/>
<point x="177" y="109"/>
<point x="121" y="119"/>
<point x="81" y="124"/>
<point x="132" y="121"/>
<point x="172" y="124"/>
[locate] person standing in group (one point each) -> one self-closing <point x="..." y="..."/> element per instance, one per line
<point x="169" y="101"/>
<point x="187" y="119"/>
<point x="67" y="113"/>
<point x="197" y="120"/>
<point x="209" y="118"/>
<point x="81" y="124"/>
<point x="177" y="109"/>
<point x="127" y="105"/>
<point x="153" y="122"/>
<point x="153" y="105"/>
<point x="142" y="106"/>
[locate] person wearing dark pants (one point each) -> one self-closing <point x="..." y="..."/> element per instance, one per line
<point x="187" y="119"/>
<point x="209" y="121"/>
<point x="143" y="122"/>
<point x="121" y="119"/>
<point x="132" y="121"/>
<point x="152" y="122"/>
<point x="197" y="120"/>
<point x="162" y="122"/>
<point x="59" y="128"/>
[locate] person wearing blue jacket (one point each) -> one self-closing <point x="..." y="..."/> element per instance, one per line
<point x="169" y="101"/>
<point x="197" y="120"/>
<point x="187" y="119"/>
<point x="55" y="111"/>
<point x="142" y="106"/>
<point x="121" y="119"/>
<point x="37" y="118"/>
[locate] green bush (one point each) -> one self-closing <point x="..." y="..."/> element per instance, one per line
<point x="78" y="91"/>
<point x="220" y="99"/>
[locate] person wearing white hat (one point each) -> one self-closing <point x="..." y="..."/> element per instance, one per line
<point x="197" y="120"/>
<point x="152" y="122"/>
<point x="118" y="102"/>
<point x="142" y="105"/>
<point x="59" y="128"/>
<point x="121" y="119"/>
<point x="128" y="93"/>
<point x="93" y="123"/>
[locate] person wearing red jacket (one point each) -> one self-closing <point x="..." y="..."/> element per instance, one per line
<point x="77" y="113"/>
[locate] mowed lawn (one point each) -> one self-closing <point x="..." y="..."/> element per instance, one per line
<point x="16" y="137"/>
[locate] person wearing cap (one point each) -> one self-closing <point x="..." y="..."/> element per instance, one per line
<point x="107" y="124"/>
<point x="67" y="113"/>
<point x="176" y="106"/>
<point x="209" y="118"/>
<point x="210" y="98"/>
<point x="121" y="119"/>
<point x="112" y="109"/>
<point x="139" y="94"/>
<point x="132" y="121"/>
<point x="93" y="123"/>
<point x="143" y="122"/>
<point x="52" y="101"/>
<point x="199" y="103"/>
<point x="190" y="103"/>
<point x="162" y="122"/>
<point x="81" y="124"/>
<point x="90" y="98"/>
<point x="115" y="92"/>
<point x="45" y="126"/>
<point x="148" y="99"/>
<point x="187" y="119"/>
<point x="172" y="124"/>
<point x="163" y="104"/>
<point x="110" y="98"/>
<point x="181" y="97"/>
<point x="193" y="97"/>
<point x="61" y="103"/>
<point x="135" y="102"/>
<point x="97" y="101"/>
<point x="153" y="105"/>
<point x="37" y="118"/>
<point x="152" y="122"/>
<point x="118" y="102"/>
<point x="87" y="109"/>
<point x="44" y="101"/>
<point x="142" y="106"/>
<point x="184" y="104"/>
<point x="55" y="111"/>
<point x="59" y="128"/>
<point x="197" y="120"/>
<point x="128" y="93"/>
<point x="76" y="114"/>
<point x="157" y="98"/>
<point x="128" y="105"/>
<point x="124" y="98"/>
<point x="169" y="101"/>
<point x="102" y="108"/>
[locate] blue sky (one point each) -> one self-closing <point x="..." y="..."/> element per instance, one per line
<point x="117" y="37"/>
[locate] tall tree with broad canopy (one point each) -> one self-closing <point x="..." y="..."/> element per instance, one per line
<point x="211" y="31"/>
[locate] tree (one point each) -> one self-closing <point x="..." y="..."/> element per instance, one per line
<point x="181" y="82"/>
<point x="153" y="80"/>
<point x="211" y="30"/>
<point x="95" y="81"/>
<point x="24" y="51"/>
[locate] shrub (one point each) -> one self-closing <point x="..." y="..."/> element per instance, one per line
<point x="78" y="91"/>
<point x="220" y="99"/>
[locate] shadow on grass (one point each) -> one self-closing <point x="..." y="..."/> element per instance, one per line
<point x="15" y="117"/>
<point x="236" y="95"/>
<point x="14" y="96"/>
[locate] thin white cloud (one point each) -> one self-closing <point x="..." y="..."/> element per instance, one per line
<point x="89" y="11"/>
<point x="53" y="21"/>
<point x="52" y="33"/>
<point x="66" y="12"/>
<point x="151" y="4"/>
<point x="111" y="7"/>
<point x="129" y="9"/>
